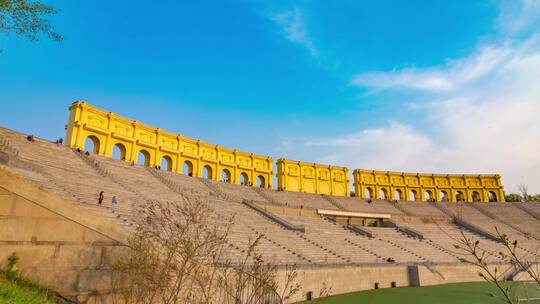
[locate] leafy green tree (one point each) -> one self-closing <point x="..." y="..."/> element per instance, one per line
<point x="513" y="197"/>
<point x="534" y="198"/>
<point x="27" y="18"/>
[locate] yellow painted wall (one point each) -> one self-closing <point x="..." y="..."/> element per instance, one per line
<point x="377" y="182"/>
<point x="108" y="129"/>
<point x="312" y="178"/>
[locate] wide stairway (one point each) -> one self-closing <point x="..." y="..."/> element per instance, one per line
<point x="80" y="178"/>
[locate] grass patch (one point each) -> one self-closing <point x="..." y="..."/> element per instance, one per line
<point x="16" y="289"/>
<point x="457" y="293"/>
<point x="10" y="293"/>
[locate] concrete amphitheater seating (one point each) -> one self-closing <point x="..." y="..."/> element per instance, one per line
<point x="420" y="209"/>
<point x="79" y="179"/>
<point x="296" y="199"/>
<point x="363" y="205"/>
<point x="473" y="213"/>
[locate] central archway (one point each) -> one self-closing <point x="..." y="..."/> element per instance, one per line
<point x="119" y="151"/>
<point x="475" y="196"/>
<point x="398" y="195"/>
<point x="244" y="179"/>
<point x="459" y="196"/>
<point x="226" y="176"/>
<point x="368" y="193"/>
<point x="413" y="195"/>
<point x="207" y="172"/>
<point x="383" y="194"/>
<point x="443" y="196"/>
<point x="187" y="168"/>
<point x="143" y="158"/>
<point x="428" y="196"/>
<point x="261" y="182"/>
<point x="166" y="163"/>
<point x="92" y="144"/>
<point x="492" y="197"/>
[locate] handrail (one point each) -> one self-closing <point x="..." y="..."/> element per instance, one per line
<point x="332" y="201"/>
<point x="360" y="230"/>
<point x="410" y="232"/>
<point x="475" y="229"/>
<point x="403" y="229"/>
<point x="274" y="217"/>
<point x="507" y="223"/>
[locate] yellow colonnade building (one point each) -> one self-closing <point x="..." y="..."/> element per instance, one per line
<point x="428" y="187"/>
<point x="313" y="178"/>
<point x="140" y="143"/>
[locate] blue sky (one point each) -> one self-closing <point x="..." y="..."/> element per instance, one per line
<point x="430" y="86"/>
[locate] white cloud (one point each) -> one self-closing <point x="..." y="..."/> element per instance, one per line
<point x="454" y="74"/>
<point x="516" y="16"/>
<point x="471" y="126"/>
<point x="294" y="27"/>
<point x="477" y="114"/>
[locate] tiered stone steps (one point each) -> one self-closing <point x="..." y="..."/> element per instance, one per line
<point x="362" y="205"/>
<point x="80" y="178"/>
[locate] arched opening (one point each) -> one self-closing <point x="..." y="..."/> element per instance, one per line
<point x="92" y="144"/>
<point x="428" y="195"/>
<point x="383" y="194"/>
<point x="368" y="193"/>
<point x="475" y="196"/>
<point x="187" y="168"/>
<point x="207" y="172"/>
<point x="413" y="196"/>
<point x="444" y="196"/>
<point x="244" y="179"/>
<point x="166" y="163"/>
<point x="459" y="196"/>
<point x="119" y="152"/>
<point x="143" y="158"/>
<point x="492" y="196"/>
<point x="226" y="176"/>
<point x="261" y="182"/>
<point x="398" y="194"/>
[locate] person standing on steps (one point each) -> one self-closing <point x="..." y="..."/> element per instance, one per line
<point x="101" y="197"/>
<point x="114" y="200"/>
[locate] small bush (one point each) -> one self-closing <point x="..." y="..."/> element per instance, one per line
<point x="16" y="289"/>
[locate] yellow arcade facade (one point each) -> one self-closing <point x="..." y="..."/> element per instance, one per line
<point x="427" y="187"/>
<point x="313" y="178"/>
<point x="133" y="140"/>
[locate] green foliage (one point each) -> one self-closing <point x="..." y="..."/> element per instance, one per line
<point x="10" y="272"/>
<point x="534" y="198"/>
<point x="513" y="197"/>
<point x="26" y="18"/>
<point x="353" y="194"/>
<point x="16" y="289"/>
<point x="13" y="294"/>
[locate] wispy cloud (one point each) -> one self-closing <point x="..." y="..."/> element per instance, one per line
<point x="476" y="114"/>
<point x="454" y="74"/>
<point x="491" y="128"/>
<point x="292" y="22"/>
<point x="517" y="16"/>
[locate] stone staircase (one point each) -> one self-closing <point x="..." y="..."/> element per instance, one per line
<point x="405" y="211"/>
<point x="267" y="197"/>
<point x="494" y="217"/>
<point x="216" y="190"/>
<point x="7" y="147"/>
<point x="528" y="210"/>
<point x="79" y="178"/>
<point x="332" y="201"/>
